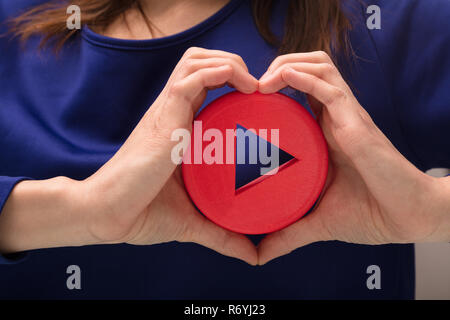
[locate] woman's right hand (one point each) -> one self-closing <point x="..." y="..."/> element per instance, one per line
<point x="138" y="196"/>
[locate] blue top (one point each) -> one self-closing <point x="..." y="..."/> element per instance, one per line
<point x="68" y="115"/>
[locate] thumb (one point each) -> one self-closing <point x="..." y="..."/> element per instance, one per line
<point x="299" y="234"/>
<point x="228" y="243"/>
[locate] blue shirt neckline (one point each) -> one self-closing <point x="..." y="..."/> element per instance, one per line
<point x="149" y="44"/>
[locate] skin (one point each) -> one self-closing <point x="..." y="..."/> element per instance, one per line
<point x="164" y="18"/>
<point x="373" y="194"/>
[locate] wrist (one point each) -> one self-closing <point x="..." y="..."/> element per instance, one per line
<point x="74" y="196"/>
<point x="440" y="210"/>
<point x="445" y="208"/>
<point x="43" y="214"/>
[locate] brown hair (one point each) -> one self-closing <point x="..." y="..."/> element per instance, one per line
<point x="309" y="25"/>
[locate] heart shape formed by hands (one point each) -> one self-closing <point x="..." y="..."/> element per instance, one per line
<point x="373" y="195"/>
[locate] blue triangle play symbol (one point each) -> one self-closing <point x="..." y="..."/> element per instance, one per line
<point x="248" y="168"/>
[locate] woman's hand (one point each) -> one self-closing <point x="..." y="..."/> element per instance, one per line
<point x="373" y="195"/>
<point x="138" y="195"/>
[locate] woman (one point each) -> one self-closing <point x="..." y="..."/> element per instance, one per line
<point x="85" y="160"/>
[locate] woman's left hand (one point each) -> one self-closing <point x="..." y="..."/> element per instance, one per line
<point x="373" y="195"/>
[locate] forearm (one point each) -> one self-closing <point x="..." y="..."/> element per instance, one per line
<point x="43" y="214"/>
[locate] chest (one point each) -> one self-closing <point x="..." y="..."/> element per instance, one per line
<point x="72" y="117"/>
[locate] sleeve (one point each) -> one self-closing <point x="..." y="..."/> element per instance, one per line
<point x="6" y="186"/>
<point x="413" y="46"/>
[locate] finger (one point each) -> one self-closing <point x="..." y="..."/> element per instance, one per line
<point x="311" y="57"/>
<point x="208" y="234"/>
<point x="247" y="82"/>
<point x="184" y="97"/>
<point x="359" y="137"/>
<point x="299" y="234"/>
<point x="274" y="81"/>
<point x="201" y="53"/>
<point x="337" y="101"/>
<point x="190" y="87"/>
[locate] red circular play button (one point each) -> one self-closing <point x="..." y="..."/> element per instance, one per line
<point x="256" y="163"/>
